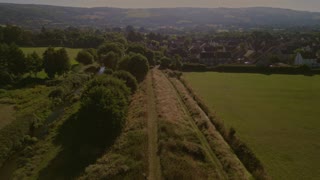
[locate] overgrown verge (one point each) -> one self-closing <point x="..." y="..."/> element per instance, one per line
<point x="182" y="150"/>
<point x="32" y="108"/>
<point x="244" y="153"/>
<point x="230" y="163"/>
<point x="127" y="157"/>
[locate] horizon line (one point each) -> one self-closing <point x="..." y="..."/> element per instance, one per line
<point x="246" y="7"/>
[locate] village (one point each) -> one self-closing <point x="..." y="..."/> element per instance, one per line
<point x="256" y="48"/>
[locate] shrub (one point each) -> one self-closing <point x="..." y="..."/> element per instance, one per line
<point x="136" y="64"/>
<point x="108" y="71"/>
<point x="128" y="78"/>
<point x="165" y="63"/>
<point x="110" y="82"/>
<point x="105" y="103"/>
<point x="84" y="57"/>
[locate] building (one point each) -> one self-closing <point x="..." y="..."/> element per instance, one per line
<point x="299" y="61"/>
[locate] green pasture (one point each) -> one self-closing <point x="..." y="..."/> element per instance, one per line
<point x="278" y="116"/>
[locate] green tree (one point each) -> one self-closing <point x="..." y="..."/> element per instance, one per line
<point x="16" y="60"/>
<point x="34" y="63"/>
<point x="107" y="108"/>
<point x="49" y="62"/>
<point x="84" y="57"/>
<point x="56" y="62"/>
<point x="138" y="66"/>
<point x="128" y="78"/>
<point x="63" y="60"/>
<point x="165" y="62"/>
<point x="108" y="47"/>
<point x="110" y="60"/>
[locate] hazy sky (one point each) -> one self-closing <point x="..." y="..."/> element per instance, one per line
<point x="310" y="5"/>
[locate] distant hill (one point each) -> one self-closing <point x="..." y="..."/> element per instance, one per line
<point x="36" y="16"/>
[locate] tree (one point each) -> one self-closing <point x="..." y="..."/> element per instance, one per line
<point x="165" y="62"/>
<point x="128" y="78"/>
<point x="110" y="60"/>
<point x="93" y="53"/>
<point x="84" y="57"/>
<point x="108" y="47"/>
<point x="107" y="108"/>
<point x="34" y="63"/>
<point x="56" y="62"/>
<point x="49" y="63"/>
<point x="16" y="60"/>
<point x="138" y="66"/>
<point x="64" y="64"/>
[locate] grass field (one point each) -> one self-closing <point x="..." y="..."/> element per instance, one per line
<point x="276" y="115"/>
<point x="40" y="50"/>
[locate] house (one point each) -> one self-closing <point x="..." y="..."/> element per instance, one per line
<point x="299" y="61"/>
<point x="215" y="58"/>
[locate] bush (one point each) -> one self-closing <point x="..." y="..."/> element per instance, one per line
<point x="136" y="64"/>
<point x="5" y="78"/>
<point x="128" y="78"/>
<point x="85" y="57"/>
<point x="108" y="71"/>
<point x="105" y="102"/>
<point x="110" y="82"/>
<point x="165" y="63"/>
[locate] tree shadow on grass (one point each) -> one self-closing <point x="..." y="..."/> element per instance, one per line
<point x="81" y="144"/>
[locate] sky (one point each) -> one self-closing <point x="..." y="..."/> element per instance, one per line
<point x="309" y="5"/>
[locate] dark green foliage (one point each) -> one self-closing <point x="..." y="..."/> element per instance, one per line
<point x="5" y="78"/>
<point x="108" y="106"/>
<point x="16" y="60"/>
<point x="141" y="49"/>
<point x="110" y="60"/>
<point x="110" y="47"/>
<point x="93" y="53"/>
<point x="34" y="63"/>
<point x="85" y="57"/>
<point x="136" y="64"/>
<point x="110" y="82"/>
<point x="128" y="78"/>
<point x="69" y="87"/>
<point x="176" y="63"/>
<point x="165" y="62"/>
<point x="93" y="69"/>
<point x="108" y="71"/>
<point x="56" y="62"/>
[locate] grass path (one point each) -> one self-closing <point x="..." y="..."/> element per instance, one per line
<point x="154" y="160"/>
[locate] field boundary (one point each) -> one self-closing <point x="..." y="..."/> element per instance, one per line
<point x="152" y="123"/>
<point x="204" y="142"/>
<point x="243" y="152"/>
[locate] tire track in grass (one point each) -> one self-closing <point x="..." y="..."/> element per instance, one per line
<point x="154" y="160"/>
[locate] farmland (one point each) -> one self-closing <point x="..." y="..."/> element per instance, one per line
<point x="276" y="115"/>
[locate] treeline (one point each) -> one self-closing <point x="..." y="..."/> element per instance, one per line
<point x="194" y="67"/>
<point x="73" y="37"/>
<point x="14" y="63"/>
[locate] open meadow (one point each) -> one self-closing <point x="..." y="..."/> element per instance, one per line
<point x="276" y="115"/>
